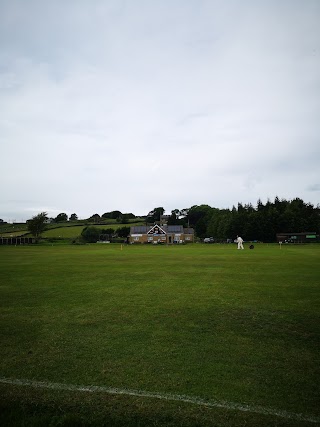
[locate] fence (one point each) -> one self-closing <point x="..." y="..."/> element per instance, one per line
<point x="16" y="240"/>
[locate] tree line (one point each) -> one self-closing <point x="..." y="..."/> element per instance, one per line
<point x="120" y="217"/>
<point x="261" y="222"/>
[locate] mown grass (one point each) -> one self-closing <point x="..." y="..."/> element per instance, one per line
<point x="196" y="320"/>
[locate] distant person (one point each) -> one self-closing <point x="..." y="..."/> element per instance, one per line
<point x="239" y="240"/>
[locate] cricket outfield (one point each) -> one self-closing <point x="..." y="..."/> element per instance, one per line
<point x="160" y="335"/>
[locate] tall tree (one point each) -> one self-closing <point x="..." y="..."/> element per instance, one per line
<point x="37" y="224"/>
<point x="94" y="218"/>
<point x="155" y="214"/>
<point x="199" y="217"/>
<point x="73" y="217"/>
<point x="62" y="217"/>
<point x="176" y="213"/>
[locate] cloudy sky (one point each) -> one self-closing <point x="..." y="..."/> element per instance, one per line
<point x="134" y="104"/>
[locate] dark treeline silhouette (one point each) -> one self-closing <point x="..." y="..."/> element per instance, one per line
<point x="261" y="222"/>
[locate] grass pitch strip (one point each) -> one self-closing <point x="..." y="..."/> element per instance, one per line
<point x="207" y="322"/>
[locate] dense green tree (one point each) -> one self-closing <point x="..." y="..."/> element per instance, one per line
<point x="37" y="224"/>
<point x="94" y="218"/>
<point x="62" y="217"/>
<point x="73" y="217"/>
<point x="198" y="217"/>
<point x="201" y="228"/>
<point x="155" y="214"/>
<point x="219" y="224"/>
<point x="175" y="213"/>
<point x="109" y="231"/>
<point x="196" y="213"/>
<point x="184" y="212"/>
<point x="123" y="231"/>
<point x="91" y="234"/>
<point x="124" y="218"/>
<point x="112" y="215"/>
<point x="260" y="205"/>
<point x="263" y="222"/>
<point x="175" y="219"/>
<point x="129" y="215"/>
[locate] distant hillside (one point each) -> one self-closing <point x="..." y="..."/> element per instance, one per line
<point x="67" y="230"/>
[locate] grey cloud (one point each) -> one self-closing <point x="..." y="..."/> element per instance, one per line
<point x="214" y="101"/>
<point x="314" y="187"/>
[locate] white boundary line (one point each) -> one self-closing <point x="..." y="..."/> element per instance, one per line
<point x="163" y="396"/>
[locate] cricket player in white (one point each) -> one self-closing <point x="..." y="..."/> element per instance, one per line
<point x="240" y="242"/>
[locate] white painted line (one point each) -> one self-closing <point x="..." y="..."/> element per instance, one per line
<point x="164" y="396"/>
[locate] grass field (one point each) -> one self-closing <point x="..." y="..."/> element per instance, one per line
<point x="75" y="231"/>
<point x="63" y="230"/>
<point x="207" y="322"/>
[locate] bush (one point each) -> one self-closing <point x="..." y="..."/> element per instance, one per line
<point x="123" y="231"/>
<point x="91" y="234"/>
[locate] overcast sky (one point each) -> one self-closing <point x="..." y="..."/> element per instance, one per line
<point x="134" y="104"/>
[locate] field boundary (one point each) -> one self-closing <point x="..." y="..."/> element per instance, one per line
<point x="162" y="396"/>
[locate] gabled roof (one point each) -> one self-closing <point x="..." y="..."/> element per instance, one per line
<point x="155" y="228"/>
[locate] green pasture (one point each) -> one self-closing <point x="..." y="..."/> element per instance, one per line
<point x="75" y="231"/>
<point x="64" y="231"/>
<point x="203" y="321"/>
<point x="8" y="230"/>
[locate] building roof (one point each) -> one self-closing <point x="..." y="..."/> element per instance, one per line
<point x="174" y="228"/>
<point x="188" y="231"/>
<point x="139" y="229"/>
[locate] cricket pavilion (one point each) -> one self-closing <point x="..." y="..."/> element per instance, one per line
<point x="161" y="234"/>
